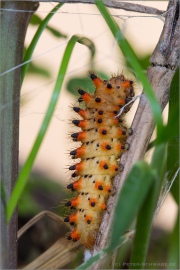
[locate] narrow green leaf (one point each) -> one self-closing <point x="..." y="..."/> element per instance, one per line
<point x="143" y="226"/>
<point x="152" y="144"/>
<point x="143" y="61"/>
<point x="3" y="194"/>
<point x="146" y="212"/>
<point x="35" y="39"/>
<point x="38" y="70"/>
<point x="99" y="256"/>
<point x="134" y="64"/>
<point x="173" y="260"/>
<point x="23" y="176"/>
<point x="91" y="261"/>
<point x="173" y="131"/>
<point x="131" y="198"/>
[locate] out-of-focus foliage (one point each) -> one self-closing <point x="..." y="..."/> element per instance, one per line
<point x="84" y="82"/>
<point x="36" y="20"/>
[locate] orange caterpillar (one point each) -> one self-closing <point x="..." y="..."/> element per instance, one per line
<point x="103" y="138"/>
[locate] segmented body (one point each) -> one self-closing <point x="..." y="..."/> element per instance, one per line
<point x="103" y="138"/>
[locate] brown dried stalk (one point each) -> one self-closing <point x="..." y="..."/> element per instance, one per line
<point x="117" y="5"/>
<point x="35" y="219"/>
<point x="164" y="62"/>
<point x="12" y="34"/>
<point x="59" y="254"/>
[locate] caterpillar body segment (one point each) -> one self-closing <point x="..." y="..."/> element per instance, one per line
<point x="98" y="184"/>
<point x="103" y="137"/>
<point x="104" y="147"/>
<point x="104" y="132"/>
<point x="107" y="165"/>
<point x="87" y="201"/>
<point x="94" y="113"/>
<point x="100" y="121"/>
<point x="100" y="103"/>
<point x="83" y="216"/>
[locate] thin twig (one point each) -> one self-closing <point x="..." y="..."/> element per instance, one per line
<point x="126" y="105"/>
<point x="117" y="5"/>
<point x="56" y="257"/>
<point x="35" y="219"/>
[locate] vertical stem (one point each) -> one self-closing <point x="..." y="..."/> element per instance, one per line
<point x="12" y="32"/>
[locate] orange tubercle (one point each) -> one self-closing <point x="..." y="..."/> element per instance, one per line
<point x="103" y="206"/>
<point x="116" y="121"/>
<point x="103" y="146"/>
<point x="108" y="188"/>
<point x="75" y="202"/>
<point x="82" y="113"/>
<point x="82" y="135"/>
<point x="121" y="101"/>
<point x="92" y="202"/>
<point x="77" y="184"/>
<point x="118" y="146"/>
<point x="103" y="131"/>
<point x="86" y="97"/>
<point x="79" y="136"/>
<point x="114" y="168"/>
<point x="75" y="235"/>
<point x="102" y="164"/>
<point x="126" y="84"/>
<point x="80" y="151"/>
<point x="80" y="123"/>
<point x="98" y="184"/>
<point x="121" y="132"/>
<point x="97" y="81"/>
<point x="88" y="218"/>
<point x="73" y="218"/>
<point x="79" y="166"/>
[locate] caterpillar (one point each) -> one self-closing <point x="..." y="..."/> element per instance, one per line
<point x="103" y="136"/>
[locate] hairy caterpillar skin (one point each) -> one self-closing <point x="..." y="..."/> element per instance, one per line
<point x="103" y="137"/>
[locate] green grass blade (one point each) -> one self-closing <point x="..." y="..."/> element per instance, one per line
<point x="134" y="64"/>
<point x="35" y="39"/>
<point x="132" y="196"/>
<point x="91" y="261"/>
<point x="18" y="189"/>
<point x="173" y="260"/>
<point x="146" y="213"/>
<point x="173" y="129"/>
<point x="3" y="194"/>
<point x="101" y="255"/>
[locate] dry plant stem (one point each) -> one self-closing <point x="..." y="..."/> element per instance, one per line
<point x="118" y="5"/>
<point x="165" y="60"/>
<point x="59" y="254"/>
<point x="13" y="30"/>
<point x="56" y="257"/>
<point x="37" y="218"/>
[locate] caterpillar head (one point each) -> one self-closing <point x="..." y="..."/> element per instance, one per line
<point x="117" y="90"/>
